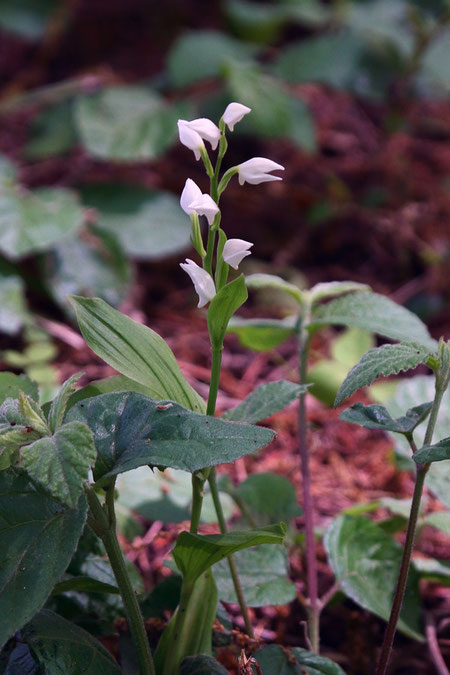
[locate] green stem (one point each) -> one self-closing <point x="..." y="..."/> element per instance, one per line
<point x="104" y="519"/>
<point x="197" y="501"/>
<point x="216" y="363"/>
<point x="421" y="473"/>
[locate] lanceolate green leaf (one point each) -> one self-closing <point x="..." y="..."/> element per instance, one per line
<point x="330" y="289"/>
<point x="62" y="647"/>
<point x="375" y="313"/>
<point x="377" y="417"/>
<point x="131" y="430"/>
<point x="61" y="463"/>
<point x="194" y="553"/>
<point x="222" y="307"/>
<point x="135" y="351"/>
<point x="382" y="361"/>
<point x="38" y="537"/>
<point x="265" y="401"/>
<point x="433" y="453"/>
<point x="365" y="561"/>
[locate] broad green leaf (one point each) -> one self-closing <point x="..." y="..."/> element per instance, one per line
<point x="222" y="307"/>
<point x="330" y="289"/>
<point x="62" y="647"/>
<point x="52" y="132"/>
<point x="27" y="18"/>
<point x="375" y="313"/>
<point x="377" y="417"/>
<point x="149" y="225"/>
<point x="263" y="572"/>
<point x="11" y="385"/>
<point x="257" y="281"/>
<point x="195" y="553"/>
<point x="440" y="520"/>
<point x="165" y="496"/>
<point x="262" y="334"/>
<point x="135" y="351"/>
<point x="408" y="392"/>
<point x="13" y="309"/>
<point x="61" y="463"/>
<point x="125" y="123"/>
<point x="264" y="401"/>
<point x="433" y="453"/>
<point x="97" y="267"/>
<point x="35" y="221"/>
<point x="59" y="403"/>
<point x="37" y="540"/>
<point x="274" y="660"/>
<point x="382" y="361"/>
<point x="131" y="430"/>
<point x="268" y="497"/>
<point x="331" y="58"/>
<point x="365" y="561"/>
<point x="201" y="665"/>
<point x="83" y="584"/>
<point x="202" y="54"/>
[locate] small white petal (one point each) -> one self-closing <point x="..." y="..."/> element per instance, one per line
<point x="206" y="130"/>
<point x="190" y="138"/>
<point x="257" y="170"/>
<point x="233" y="114"/>
<point x="191" y="192"/>
<point x="235" y="250"/>
<point x="205" y="206"/>
<point x="203" y="282"/>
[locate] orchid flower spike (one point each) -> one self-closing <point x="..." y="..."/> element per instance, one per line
<point x="257" y="170"/>
<point x="205" y="206"/>
<point x="235" y="250"/>
<point x="203" y="282"/>
<point x="190" y="138"/>
<point x="233" y="114"/>
<point x="206" y="129"/>
<point x="191" y="193"/>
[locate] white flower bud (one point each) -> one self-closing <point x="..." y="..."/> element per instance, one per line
<point x="233" y="114"/>
<point x="203" y="282"/>
<point x="191" y="192"/>
<point x="190" y="138"/>
<point x="235" y="250"/>
<point x="257" y="170"/>
<point x="205" y="129"/>
<point x="205" y="206"/>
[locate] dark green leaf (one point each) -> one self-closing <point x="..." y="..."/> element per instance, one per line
<point x="135" y="351"/>
<point x="222" y="307"/>
<point x="125" y="123"/>
<point x="377" y="417"/>
<point x="265" y="401"/>
<point x="382" y="361"/>
<point x="131" y="430"/>
<point x="433" y="453"/>
<point x="195" y="554"/>
<point x="83" y="584"/>
<point x="11" y="385"/>
<point x="262" y="334"/>
<point x="201" y="54"/>
<point x="268" y="497"/>
<point x="201" y="665"/>
<point x="59" y="403"/>
<point x="37" y="540"/>
<point x="61" y="463"/>
<point x="366" y="561"/>
<point x="61" y="647"/>
<point x="263" y="573"/>
<point x="274" y="660"/>
<point x="376" y="314"/>
<point x="164" y="596"/>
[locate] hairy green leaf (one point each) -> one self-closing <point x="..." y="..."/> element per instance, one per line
<point x="222" y="307"/>
<point x="38" y="537"/>
<point x="135" y="351"/>
<point x="131" y="430"/>
<point x="377" y="417"/>
<point x="59" y="403"/>
<point x="433" y="453"/>
<point x="382" y="361"/>
<point x="265" y="401"/>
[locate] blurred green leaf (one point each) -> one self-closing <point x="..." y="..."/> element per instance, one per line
<point x="436" y="61"/>
<point x="27" y="18"/>
<point x="11" y="385"/>
<point x="52" y="132"/>
<point x="274" y="659"/>
<point x="262" y="334"/>
<point x="201" y="665"/>
<point x="269" y="497"/>
<point x="13" y="310"/>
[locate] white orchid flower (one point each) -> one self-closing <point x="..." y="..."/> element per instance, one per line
<point x="235" y="250"/>
<point x="205" y="206"/>
<point x="206" y="129"/>
<point x="257" y="170"/>
<point x="191" y="193"/>
<point x="233" y="114"/>
<point x="203" y="282"/>
<point x="190" y="138"/>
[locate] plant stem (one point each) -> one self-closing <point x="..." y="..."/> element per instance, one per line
<point x="308" y="506"/>
<point x="216" y="363"/>
<point x="104" y="518"/>
<point x="197" y="501"/>
<point x="421" y="473"/>
<point x="231" y="563"/>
